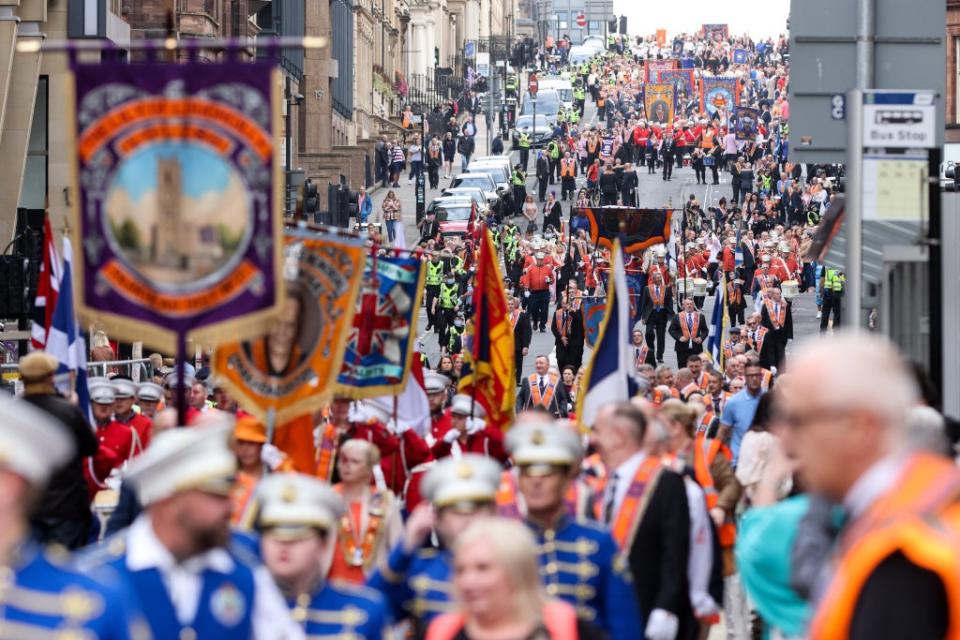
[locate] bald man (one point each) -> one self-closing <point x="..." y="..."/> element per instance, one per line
<point x="845" y="418"/>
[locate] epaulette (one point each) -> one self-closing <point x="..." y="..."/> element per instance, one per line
<point x="359" y="590"/>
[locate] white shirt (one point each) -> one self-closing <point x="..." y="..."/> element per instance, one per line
<point x="271" y="616"/>
<point x="624" y="477"/>
<point x="871" y="485"/>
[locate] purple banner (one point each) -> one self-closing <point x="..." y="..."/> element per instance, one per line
<point x="177" y="208"/>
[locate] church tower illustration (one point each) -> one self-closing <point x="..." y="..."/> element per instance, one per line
<point x="170" y="246"/>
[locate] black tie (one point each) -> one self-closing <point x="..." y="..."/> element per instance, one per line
<point x="611" y="499"/>
<point x="542" y="386"/>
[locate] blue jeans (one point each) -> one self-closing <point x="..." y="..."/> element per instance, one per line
<point x="391" y="230"/>
<point x="464" y="161"/>
<point x="416" y="166"/>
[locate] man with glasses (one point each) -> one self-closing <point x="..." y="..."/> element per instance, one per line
<point x="576" y="560"/>
<point x="740" y="408"/>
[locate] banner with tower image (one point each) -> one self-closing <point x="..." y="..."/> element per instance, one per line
<point x="178" y="207"/>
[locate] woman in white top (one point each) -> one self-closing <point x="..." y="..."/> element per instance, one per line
<point x="529" y="210"/>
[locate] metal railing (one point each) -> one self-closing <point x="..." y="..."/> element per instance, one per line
<point x="116" y="367"/>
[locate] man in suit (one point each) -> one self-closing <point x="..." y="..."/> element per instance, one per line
<point x="645" y="505"/>
<point x="628" y="185"/>
<point x="640" y="351"/>
<point x="567" y="327"/>
<point x="656" y="307"/>
<point x="777" y="316"/>
<point x="688" y="330"/>
<point x="544" y="389"/>
<point x="522" y="333"/>
<point x="543" y="175"/>
<point x="668" y="150"/>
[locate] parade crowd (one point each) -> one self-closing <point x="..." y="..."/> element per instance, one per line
<point x="810" y="494"/>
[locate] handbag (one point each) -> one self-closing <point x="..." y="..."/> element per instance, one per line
<point x="709" y="161"/>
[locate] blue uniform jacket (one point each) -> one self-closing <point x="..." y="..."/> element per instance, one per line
<point x="342" y="610"/>
<point x="43" y="598"/>
<point x="416" y="585"/>
<point x="579" y="564"/>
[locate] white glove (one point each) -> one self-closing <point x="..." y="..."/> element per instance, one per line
<point x="662" y="625"/>
<point x="475" y="425"/>
<point x="397" y="428"/>
<point x="114" y="479"/>
<point x="318" y="436"/>
<point x="271" y="456"/>
<point x="450" y="436"/>
<point x="526" y="294"/>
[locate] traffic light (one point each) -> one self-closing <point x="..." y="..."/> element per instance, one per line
<point x="311" y="201"/>
<point x="612" y="25"/>
<point x="623" y="25"/>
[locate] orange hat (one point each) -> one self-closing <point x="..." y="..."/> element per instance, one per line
<point x="249" y="429"/>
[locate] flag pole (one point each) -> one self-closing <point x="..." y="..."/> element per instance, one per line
<point x="181" y="397"/>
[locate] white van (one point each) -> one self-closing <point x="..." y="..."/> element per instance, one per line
<point x="563" y="88"/>
<point x="581" y="54"/>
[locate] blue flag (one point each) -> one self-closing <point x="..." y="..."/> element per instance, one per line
<point x="64" y="340"/>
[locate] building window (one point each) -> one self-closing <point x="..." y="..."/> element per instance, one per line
<point x="33" y="193"/>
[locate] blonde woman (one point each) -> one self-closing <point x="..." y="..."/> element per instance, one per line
<point x="371" y="524"/>
<point x="496" y="584"/>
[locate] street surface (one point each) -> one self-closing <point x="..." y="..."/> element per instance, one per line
<point x="653" y="192"/>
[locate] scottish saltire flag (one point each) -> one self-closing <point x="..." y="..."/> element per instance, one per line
<point x="64" y="340"/>
<point x="609" y="376"/>
<point x="718" y="323"/>
<point x="738" y="250"/>
<point x="48" y="288"/>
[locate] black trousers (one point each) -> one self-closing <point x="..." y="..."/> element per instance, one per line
<point x="831" y="302"/>
<point x="657" y="332"/>
<point x="537" y="308"/>
<point x="433" y="292"/>
<point x="667" y="167"/>
<point x="568" y="184"/>
<point x="444" y="321"/>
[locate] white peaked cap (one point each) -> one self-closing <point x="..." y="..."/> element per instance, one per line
<point x="32" y="444"/>
<point x="182" y="459"/>
<point x="295" y="499"/>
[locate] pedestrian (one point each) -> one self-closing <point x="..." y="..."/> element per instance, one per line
<point x="668" y="151"/>
<point x="434" y="160"/>
<point x="552" y="213"/>
<point x="62" y="513"/>
<point x="543" y="175"/>
<point x="628" y="186"/>
<point x="364" y="206"/>
<point x="449" y="152"/>
<point x="740" y="410"/>
<point x="390" y="214"/>
<point x="518" y="183"/>
<point x="397" y="161"/>
<point x="465" y="149"/>
<point x="415" y="154"/>
<point x="530" y="213"/>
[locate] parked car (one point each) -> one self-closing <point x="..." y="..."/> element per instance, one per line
<point x="484" y="182"/>
<point x="453" y="214"/>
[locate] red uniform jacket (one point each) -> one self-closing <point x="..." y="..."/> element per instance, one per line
<point x="142" y="426"/>
<point x="116" y="447"/>
<point x="487" y="442"/>
<point x="398" y="454"/>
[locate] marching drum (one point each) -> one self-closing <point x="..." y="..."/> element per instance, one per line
<point x="790" y="289"/>
<point x="699" y="287"/>
<point x="685" y="286"/>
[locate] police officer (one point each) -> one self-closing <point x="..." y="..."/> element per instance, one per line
<point x="455" y="342"/>
<point x="42" y="598"/>
<point x="298" y="520"/>
<point x="831" y="283"/>
<point x="178" y="556"/>
<point x="519" y="183"/>
<point x="416" y="579"/>
<point x="449" y="300"/>
<point x="578" y="560"/>
<point x="433" y="281"/>
<point x="523" y="143"/>
<point x="553" y="156"/>
<point x="579" y="99"/>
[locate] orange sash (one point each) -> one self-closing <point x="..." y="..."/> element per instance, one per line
<point x="777" y="319"/>
<point x="634" y="503"/>
<point x="704" y="453"/>
<point x="514" y="318"/>
<point x="563" y="327"/>
<point x="326" y="453"/>
<point x="547" y="397"/>
<point x="361" y="555"/>
<point x="687" y="333"/>
<point x="657" y="299"/>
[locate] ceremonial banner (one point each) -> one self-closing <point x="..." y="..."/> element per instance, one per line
<point x="638" y="228"/>
<point x="653" y="67"/>
<point x="377" y="358"/>
<point x="177" y="198"/>
<point x="681" y="79"/>
<point x="745" y="122"/>
<point x="715" y="32"/>
<point x="292" y="368"/>
<point x="677" y="48"/>
<point x="740" y="56"/>
<point x="661" y="37"/>
<point x="718" y="94"/>
<point x="489" y="374"/>
<point x="593" y="309"/>
<point x="659" y="102"/>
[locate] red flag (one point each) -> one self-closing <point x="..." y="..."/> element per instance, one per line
<point x="489" y="372"/>
<point x="48" y="289"/>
